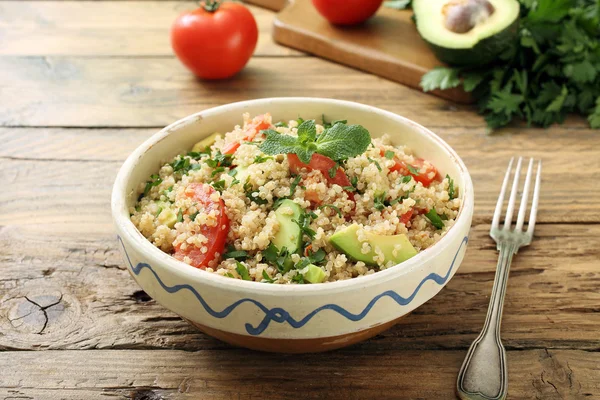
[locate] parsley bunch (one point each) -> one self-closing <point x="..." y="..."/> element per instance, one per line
<point x="337" y="142"/>
<point x="552" y="69"/>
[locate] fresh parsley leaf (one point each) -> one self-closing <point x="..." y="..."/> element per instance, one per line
<point x="354" y="181"/>
<point x="451" y="192"/>
<point x="180" y="215"/>
<point x="594" y="117"/>
<point x="233" y="172"/>
<point x="406" y="179"/>
<point x="266" y="277"/>
<point x="194" y="215"/>
<point x="229" y="275"/>
<point x="435" y="219"/>
<point x="376" y="163"/>
<point x="412" y="169"/>
<point x="333" y="170"/>
<point x="281" y="124"/>
<point x="261" y="159"/>
<point x="349" y="188"/>
<point x="379" y="201"/>
<point x="219" y="185"/>
<point x="298" y="278"/>
<point x="334" y="208"/>
<point x="242" y="270"/>
<point x="154" y="181"/>
<point x="240" y="255"/>
<point x="440" y="78"/>
<point x="343" y="141"/>
<point x="389" y="154"/>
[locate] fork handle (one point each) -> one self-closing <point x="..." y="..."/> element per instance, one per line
<point x="483" y="374"/>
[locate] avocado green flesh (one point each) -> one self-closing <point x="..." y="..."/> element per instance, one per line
<point x="314" y="274"/>
<point x="480" y="45"/>
<point x="347" y="242"/>
<point x="167" y="216"/>
<point x="289" y="234"/>
<point x="204" y="143"/>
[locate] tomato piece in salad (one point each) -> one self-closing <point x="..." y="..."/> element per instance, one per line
<point x="423" y="171"/>
<point x="216" y="234"/>
<point x="321" y="163"/>
<point x="258" y="123"/>
<point x="405" y="218"/>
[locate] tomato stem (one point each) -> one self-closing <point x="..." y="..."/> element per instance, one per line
<point x="211" y="5"/>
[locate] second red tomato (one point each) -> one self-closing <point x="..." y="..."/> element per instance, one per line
<point x="347" y="12"/>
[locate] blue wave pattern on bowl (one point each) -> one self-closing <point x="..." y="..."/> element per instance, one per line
<point x="279" y="314"/>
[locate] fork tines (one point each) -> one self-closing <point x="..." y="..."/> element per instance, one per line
<point x="513" y="197"/>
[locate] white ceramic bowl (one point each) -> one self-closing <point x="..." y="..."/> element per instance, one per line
<point x="289" y="318"/>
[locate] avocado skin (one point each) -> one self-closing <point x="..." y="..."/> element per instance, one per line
<point x="484" y="52"/>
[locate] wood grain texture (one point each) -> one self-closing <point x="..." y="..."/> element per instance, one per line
<point x="387" y="45"/>
<point x="106" y="28"/>
<point x="275" y="5"/>
<point x="142" y="92"/>
<point x="535" y="374"/>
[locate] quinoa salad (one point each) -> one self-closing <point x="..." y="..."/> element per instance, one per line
<point x="295" y="202"/>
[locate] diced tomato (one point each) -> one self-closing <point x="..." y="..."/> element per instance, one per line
<point x="320" y="163"/>
<point x="427" y="172"/>
<point x="258" y="123"/>
<point x="405" y="218"/>
<point x="216" y="234"/>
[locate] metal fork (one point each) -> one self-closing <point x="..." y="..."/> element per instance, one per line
<point x="483" y="373"/>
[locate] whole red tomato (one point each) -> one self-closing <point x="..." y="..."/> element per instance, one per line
<point x="216" y="40"/>
<point x="347" y="12"/>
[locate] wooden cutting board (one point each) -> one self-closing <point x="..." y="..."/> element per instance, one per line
<point x="387" y="45"/>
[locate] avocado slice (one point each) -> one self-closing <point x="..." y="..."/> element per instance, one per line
<point x="167" y="216"/>
<point x="347" y="242"/>
<point x="289" y="234"/>
<point x="467" y="32"/>
<point x="314" y="274"/>
<point x="206" y="142"/>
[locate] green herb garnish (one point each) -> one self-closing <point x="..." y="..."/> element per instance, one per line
<point x="451" y="192"/>
<point x="338" y="142"/>
<point x="389" y="154"/>
<point x="379" y="201"/>
<point x="217" y="170"/>
<point x="154" y="181"/>
<point x="328" y="125"/>
<point x="412" y="169"/>
<point x="219" y="185"/>
<point x="406" y="179"/>
<point x="242" y="270"/>
<point x="434" y="218"/>
<point x="261" y="159"/>
<point x="266" y="277"/>
<point x="240" y="255"/>
<point x="376" y="163"/>
<point x="550" y="70"/>
<point x="229" y="275"/>
<point x="334" y="208"/>
<point x="333" y="170"/>
<point x="194" y="215"/>
<point x="281" y="124"/>
<point x="180" y="216"/>
<point x="158" y="212"/>
<point x="298" y="278"/>
<point x="304" y="221"/>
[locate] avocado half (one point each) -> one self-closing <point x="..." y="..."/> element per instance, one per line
<point x="489" y="36"/>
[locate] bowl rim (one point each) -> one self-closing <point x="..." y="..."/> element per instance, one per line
<point x="130" y="233"/>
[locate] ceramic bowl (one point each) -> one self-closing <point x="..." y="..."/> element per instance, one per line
<point x="289" y="318"/>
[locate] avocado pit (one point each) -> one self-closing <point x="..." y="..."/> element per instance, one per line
<point x="461" y="16"/>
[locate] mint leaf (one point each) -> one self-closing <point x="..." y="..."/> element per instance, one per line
<point x="307" y="132"/>
<point x="343" y="141"/>
<point x="440" y="78"/>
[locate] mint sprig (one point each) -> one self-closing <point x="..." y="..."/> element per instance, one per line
<point x="338" y="142"/>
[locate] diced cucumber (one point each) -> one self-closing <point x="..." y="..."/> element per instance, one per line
<point x="314" y="274"/>
<point x="289" y="234"/>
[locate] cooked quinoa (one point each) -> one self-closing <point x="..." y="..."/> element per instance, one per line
<point x="220" y="206"/>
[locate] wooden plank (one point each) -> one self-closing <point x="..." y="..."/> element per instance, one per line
<point x="143" y="92"/>
<point x="486" y="156"/>
<point x="387" y="45"/>
<point x="348" y="375"/>
<point x="106" y="28"/>
<point x="68" y="255"/>
<point x="274" y="5"/>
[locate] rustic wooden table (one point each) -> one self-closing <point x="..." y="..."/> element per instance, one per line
<point x="83" y="83"/>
